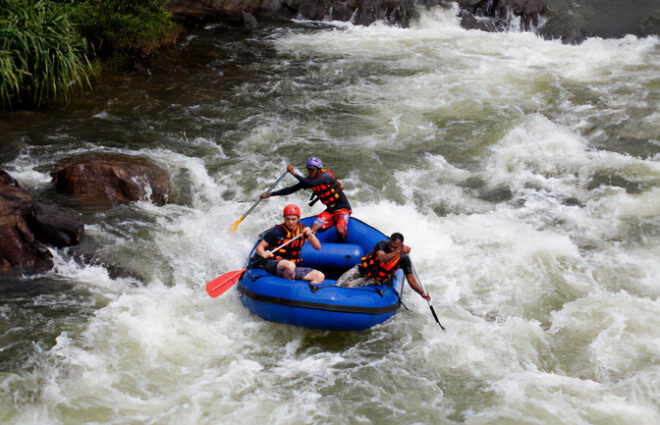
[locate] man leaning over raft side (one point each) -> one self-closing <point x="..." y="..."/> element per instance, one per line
<point x="283" y="262"/>
<point x="379" y="266"/>
<point x="328" y="190"/>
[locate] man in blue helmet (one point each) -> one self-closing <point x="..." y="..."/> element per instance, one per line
<point x="327" y="189"/>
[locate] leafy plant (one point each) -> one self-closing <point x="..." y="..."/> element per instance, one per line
<point x="125" y="26"/>
<point x="46" y="46"/>
<point x="43" y="58"/>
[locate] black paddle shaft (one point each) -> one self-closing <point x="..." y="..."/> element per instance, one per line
<point x="419" y="282"/>
<point x="435" y="316"/>
<point x="270" y="189"/>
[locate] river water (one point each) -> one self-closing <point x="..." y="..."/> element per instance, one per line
<point x="523" y="172"/>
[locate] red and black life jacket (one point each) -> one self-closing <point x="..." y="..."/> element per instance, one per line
<point x="290" y="252"/>
<point x="328" y="193"/>
<point x="379" y="270"/>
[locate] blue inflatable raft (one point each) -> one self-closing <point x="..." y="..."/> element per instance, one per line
<point x="328" y="307"/>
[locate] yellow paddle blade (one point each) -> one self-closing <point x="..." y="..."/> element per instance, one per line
<point x="235" y="225"/>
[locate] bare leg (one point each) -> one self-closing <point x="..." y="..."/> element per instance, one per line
<point x="341" y="233"/>
<point x="314" y="276"/>
<point x="349" y="277"/>
<point x="286" y="269"/>
<point x="342" y="227"/>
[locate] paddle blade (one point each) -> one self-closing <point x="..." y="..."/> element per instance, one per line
<point x="220" y="284"/>
<point x="435" y="316"/>
<point x="235" y="225"/>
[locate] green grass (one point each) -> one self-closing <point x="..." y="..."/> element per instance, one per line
<point x="133" y="27"/>
<point x="43" y="58"/>
<point x="47" y="48"/>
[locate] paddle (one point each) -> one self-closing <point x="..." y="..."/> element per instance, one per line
<point x="220" y="284"/>
<point x="435" y="316"/>
<point x="237" y="222"/>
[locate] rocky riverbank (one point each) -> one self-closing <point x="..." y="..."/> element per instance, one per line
<point x="251" y="13"/>
<point x="28" y="227"/>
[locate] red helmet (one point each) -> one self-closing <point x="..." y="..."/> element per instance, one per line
<point x="291" y="209"/>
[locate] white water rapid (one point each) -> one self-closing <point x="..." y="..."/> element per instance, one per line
<point x="523" y="172"/>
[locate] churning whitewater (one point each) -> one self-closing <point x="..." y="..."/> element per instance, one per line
<point x="524" y="173"/>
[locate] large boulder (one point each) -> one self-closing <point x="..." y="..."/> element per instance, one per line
<point x="391" y="11"/>
<point x="573" y="21"/>
<point x="27" y="226"/>
<point x="496" y="15"/>
<point x="104" y="180"/>
<point x="19" y="249"/>
<point x="250" y="12"/>
<point x="55" y="225"/>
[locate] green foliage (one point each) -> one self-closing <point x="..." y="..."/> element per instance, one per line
<point x="125" y="26"/>
<point x="42" y="56"/>
<point x="46" y="46"/>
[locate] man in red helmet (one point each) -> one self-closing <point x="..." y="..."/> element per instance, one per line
<point x="379" y="266"/>
<point x="328" y="190"/>
<point x="283" y="261"/>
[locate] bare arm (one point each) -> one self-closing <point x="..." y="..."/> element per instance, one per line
<point x="382" y="256"/>
<point x="413" y="284"/>
<point x="311" y="237"/>
<point x="262" y="251"/>
<point x="287" y="190"/>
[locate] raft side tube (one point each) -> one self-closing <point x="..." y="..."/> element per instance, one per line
<point x="376" y="299"/>
<point x="326" y="307"/>
<point x="331" y="255"/>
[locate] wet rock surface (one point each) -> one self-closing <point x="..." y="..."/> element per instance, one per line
<point x="104" y="180"/>
<point x="27" y="226"/>
<point x="251" y="12"/>
<point x="497" y="15"/>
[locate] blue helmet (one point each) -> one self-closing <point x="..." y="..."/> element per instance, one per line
<point x="314" y="162"/>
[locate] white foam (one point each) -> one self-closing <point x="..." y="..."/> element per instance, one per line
<point x="549" y="295"/>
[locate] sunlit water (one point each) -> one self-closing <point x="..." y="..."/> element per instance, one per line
<point x="524" y="173"/>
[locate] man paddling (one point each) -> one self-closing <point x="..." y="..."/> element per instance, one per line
<point x="327" y="189"/>
<point x="283" y="262"/>
<point x="379" y="266"/>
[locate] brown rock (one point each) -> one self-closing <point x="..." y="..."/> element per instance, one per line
<point x="195" y="9"/>
<point x="249" y="21"/>
<point x="527" y="7"/>
<point x="394" y="12"/>
<point x="56" y="226"/>
<point x="19" y="248"/>
<point x="468" y="3"/>
<point x="398" y="12"/>
<point x="495" y="15"/>
<point x="528" y="10"/>
<point x="103" y="180"/>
